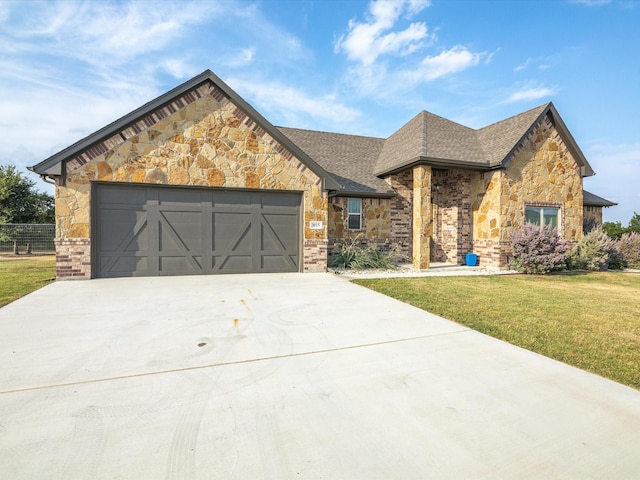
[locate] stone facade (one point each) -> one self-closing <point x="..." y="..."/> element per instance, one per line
<point x="376" y="221"/>
<point x="422" y="216"/>
<point x="541" y="172"/>
<point x="202" y="139"/>
<point x="440" y="215"/>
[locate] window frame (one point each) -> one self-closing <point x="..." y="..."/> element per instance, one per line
<point x="541" y="215"/>
<point x="351" y="214"/>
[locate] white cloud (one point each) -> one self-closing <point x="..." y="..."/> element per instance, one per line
<point x="389" y="59"/>
<point x="530" y="61"/>
<point x="241" y="58"/>
<point x="591" y="3"/>
<point x="366" y="42"/>
<point x="278" y="100"/>
<point x="107" y="34"/>
<point x="530" y="93"/>
<point x="524" y="65"/>
<point x="450" y="61"/>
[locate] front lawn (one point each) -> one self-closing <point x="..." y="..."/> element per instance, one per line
<point x="589" y="320"/>
<point x="20" y="276"/>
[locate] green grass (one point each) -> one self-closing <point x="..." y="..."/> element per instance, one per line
<point x="22" y="276"/>
<point x="589" y="320"/>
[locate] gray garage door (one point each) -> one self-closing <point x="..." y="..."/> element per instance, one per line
<point x="150" y="230"/>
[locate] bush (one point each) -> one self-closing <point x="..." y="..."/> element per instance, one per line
<point x="538" y="250"/>
<point x="629" y="248"/>
<point x="595" y="251"/>
<point x="352" y="254"/>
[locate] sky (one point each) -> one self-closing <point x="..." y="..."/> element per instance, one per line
<point x="68" y="68"/>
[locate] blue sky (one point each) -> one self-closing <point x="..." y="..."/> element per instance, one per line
<point x="68" y="68"/>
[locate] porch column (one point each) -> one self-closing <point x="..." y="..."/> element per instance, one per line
<point x="422" y="221"/>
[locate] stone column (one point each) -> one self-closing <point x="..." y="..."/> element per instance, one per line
<point x="422" y="221"/>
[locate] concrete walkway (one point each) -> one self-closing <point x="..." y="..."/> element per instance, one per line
<point x="287" y="376"/>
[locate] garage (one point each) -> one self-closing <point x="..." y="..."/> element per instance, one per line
<point x="144" y="230"/>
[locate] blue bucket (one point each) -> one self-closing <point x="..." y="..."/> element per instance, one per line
<point x="471" y="259"/>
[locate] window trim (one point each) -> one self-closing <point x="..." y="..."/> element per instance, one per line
<point x="354" y="214"/>
<point x="541" y="207"/>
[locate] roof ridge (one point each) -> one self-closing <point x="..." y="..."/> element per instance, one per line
<point x="329" y="133"/>
<point x="542" y="107"/>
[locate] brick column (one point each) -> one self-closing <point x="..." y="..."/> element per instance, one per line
<point x="422" y="221"/>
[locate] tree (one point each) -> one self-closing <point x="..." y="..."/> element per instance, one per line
<point x="634" y="223"/>
<point x="613" y="229"/>
<point x="20" y="201"/>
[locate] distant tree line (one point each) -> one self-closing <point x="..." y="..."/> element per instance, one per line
<point x="615" y="229"/>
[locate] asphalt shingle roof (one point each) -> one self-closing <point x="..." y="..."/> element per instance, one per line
<point x="358" y="162"/>
<point x="592" y="200"/>
<point x="348" y="158"/>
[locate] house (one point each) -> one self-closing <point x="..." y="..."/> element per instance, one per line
<point x="198" y="182"/>
<point x="593" y="205"/>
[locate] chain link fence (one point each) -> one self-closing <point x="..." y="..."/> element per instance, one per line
<point x="27" y="238"/>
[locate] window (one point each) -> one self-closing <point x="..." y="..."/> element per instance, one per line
<point x="542" y="215"/>
<point x="354" y="214"/>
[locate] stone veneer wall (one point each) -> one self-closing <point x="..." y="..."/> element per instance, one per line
<point x="201" y="139"/>
<point x="451" y="199"/>
<point x="540" y="172"/>
<point x="376" y="222"/>
<point x="422" y="216"/>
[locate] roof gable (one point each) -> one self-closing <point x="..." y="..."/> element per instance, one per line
<point x="500" y="139"/>
<point x="154" y="111"/>
<point x="428" y="138"/>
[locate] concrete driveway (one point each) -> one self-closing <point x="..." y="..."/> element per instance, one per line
<point x="287" y="376"/>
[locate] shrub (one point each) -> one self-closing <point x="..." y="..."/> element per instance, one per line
<point x="352" y="254"/>
<point x="538" y="250"/>
<point x="595" y="251"/>
<point x="629" y="248"/>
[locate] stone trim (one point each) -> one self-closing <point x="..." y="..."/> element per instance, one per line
<point x="73" y="258"/>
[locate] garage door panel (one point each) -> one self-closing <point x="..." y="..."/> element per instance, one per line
<point x="124" y="266"/>
<point x="126" y="229"/>
<point x="231" y="232"/>
<point x="180" y="231"/>
<point x="128" y="197"/>
<point x="276" y="262"/>
<point x="279" y="232"/>
<point x="239" y="263"/>
<point x="275" y="199"/>
<point x="180" y="198"/>
<point x="179" y="265"/>
<point x="152" y="230"/>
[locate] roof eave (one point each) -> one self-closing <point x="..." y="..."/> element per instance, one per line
<point x="437" y="162"/>
<point x="359" y="194"/>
